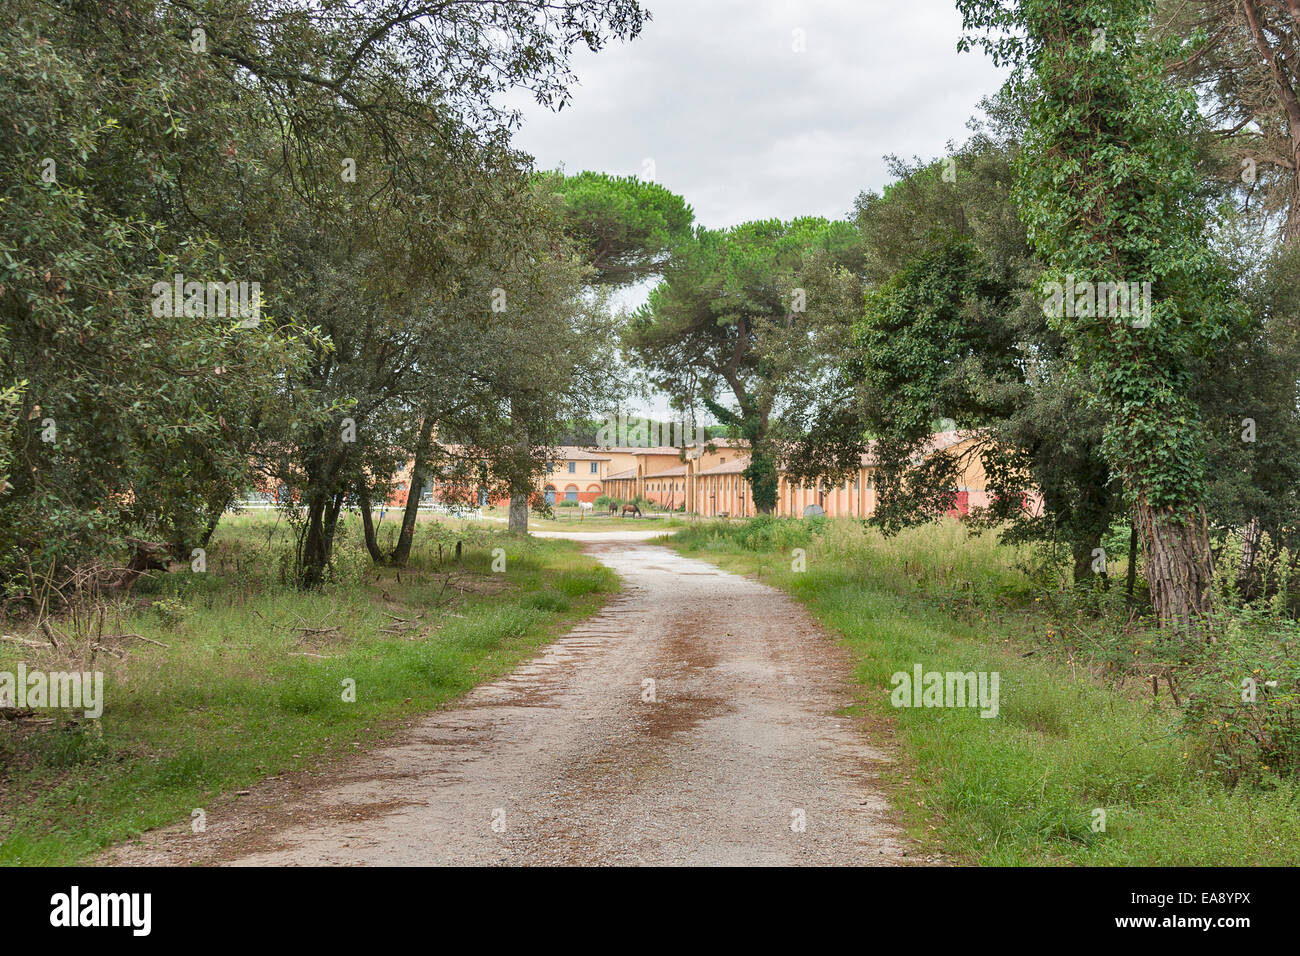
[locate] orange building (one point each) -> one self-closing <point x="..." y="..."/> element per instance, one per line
<point x="575" y="474"/>
<point x="723" y="490"/>
<point x="665" y="475"/>
<point x="708" y="480"/>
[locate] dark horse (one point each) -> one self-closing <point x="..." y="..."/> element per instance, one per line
<point x="630" y="510"/>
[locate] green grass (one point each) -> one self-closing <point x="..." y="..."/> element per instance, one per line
<point x="568" y="519"/>
<point x="234" y="698"/>
<point x="1021" y="788"/>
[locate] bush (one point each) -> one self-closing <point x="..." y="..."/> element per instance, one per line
<point x="1243" y="710"/>
<point x="171" y="611"/>
<point x="764" y="533"/>
<point x="347" y="569"/>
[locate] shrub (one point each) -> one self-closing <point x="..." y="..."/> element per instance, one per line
<point x="171" y="611"/>
<point x="1243" y="708"/>
<point x="347" y="568"/>
<point x="764" y="533"/>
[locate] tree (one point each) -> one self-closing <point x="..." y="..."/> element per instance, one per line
<point x="349" y="157"/>
<point x="1107" y="187"/>
<point x="951" y="331"/>
<point x="625" y="231"/>
<point x="1244" y="57"/>
<point x="132" y="418"/>
<point x="625" y="228"/>
<point x="730" y="315"/>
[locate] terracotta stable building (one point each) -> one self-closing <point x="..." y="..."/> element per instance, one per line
<point x="723" y="490"/>
<point x="708" y="480"/>
<point x="575" y="474"/>
<point x="666" y="475"/>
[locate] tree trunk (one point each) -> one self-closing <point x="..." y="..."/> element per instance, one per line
<point x="519" y="492"/>
<point x="1250" y="536"/>
<point x="214" y="518"/>
<point x="1176" y="552"/>
<point x="402" y="552"/>
<point x="315" y="549"/>
<point x="1131" y="584"/>
<point x="1081" y="551"/>
<point x="368" y="523"/>
<point x="518" y="514"/>
<point x="332" y="521"/>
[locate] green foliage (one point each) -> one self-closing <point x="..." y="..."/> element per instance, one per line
<point x="172" y="612"/>
<point x="918" y="336"/>
<point x="350" y="160"/>
<point x="1243" y="710"/>
<point x="127" y="420"/>
<point x="626" y="229"/>
<point x="764" y="533"/>
<point x="1108" y="188"/>
<point x="952" y="331"/>
<point x="732" y="318"/>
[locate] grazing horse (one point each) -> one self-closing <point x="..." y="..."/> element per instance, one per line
<point x="630" y="510"/>
<point x="585" y="507"/>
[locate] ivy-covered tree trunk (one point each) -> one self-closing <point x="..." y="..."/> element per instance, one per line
<point x="752" y="423"/>
<point x="1107" y="185"/>
<point x="762" y="477"/>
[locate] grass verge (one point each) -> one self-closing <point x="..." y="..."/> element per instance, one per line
<point x="253" y="678"/>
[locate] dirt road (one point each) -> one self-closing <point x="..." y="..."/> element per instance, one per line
<point x="693" y="721"/>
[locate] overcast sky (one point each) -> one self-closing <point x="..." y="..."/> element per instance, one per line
<point x="714" y="100"/>
<point x="714" y="94"/>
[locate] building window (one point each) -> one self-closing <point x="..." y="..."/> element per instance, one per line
<point x="571" y="493"/>
<point x="573" y="467"/>
<point x="595" y="467"/>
